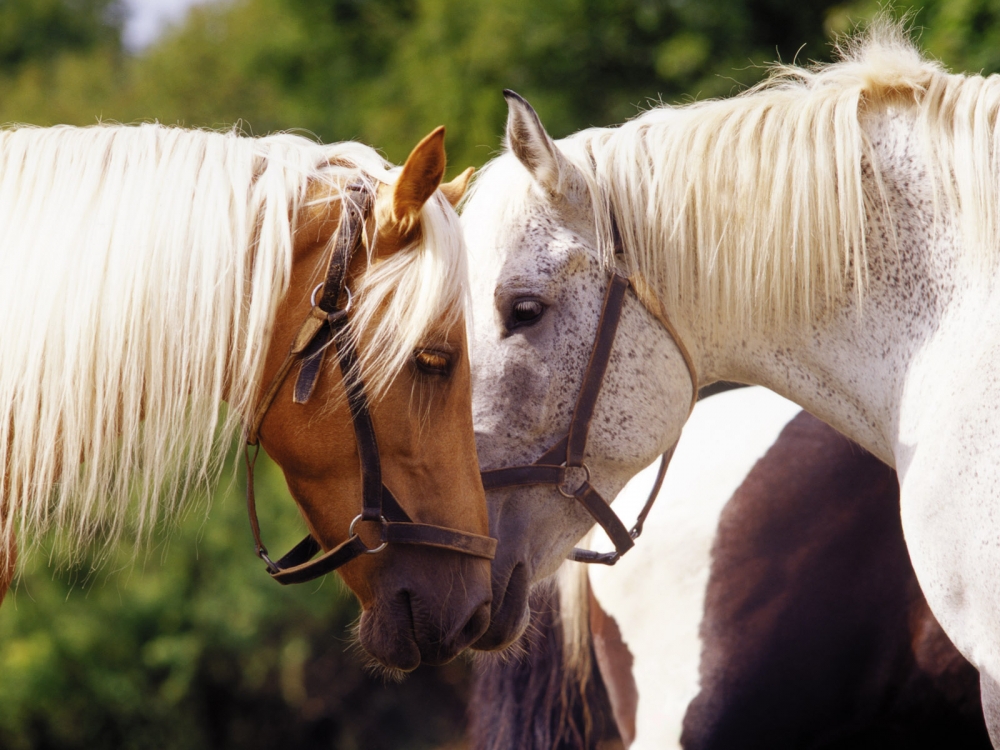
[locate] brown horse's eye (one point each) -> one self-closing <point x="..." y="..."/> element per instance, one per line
<point x="432" y="362"/>
<point x="525" y="312"/>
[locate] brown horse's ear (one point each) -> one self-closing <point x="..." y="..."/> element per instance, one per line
<point x="419" y="179"/>
<point x="455" y="189"/>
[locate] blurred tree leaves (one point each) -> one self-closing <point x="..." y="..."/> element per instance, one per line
<point x="194" y="647"/>
<point x="388" y="72"/>
<point x="35" y="30"/>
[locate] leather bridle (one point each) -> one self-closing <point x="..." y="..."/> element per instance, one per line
<point x="322" y="330"/>
<point x="568" y="453"/>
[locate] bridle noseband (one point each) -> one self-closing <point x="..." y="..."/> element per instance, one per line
<point x="322" y="330"/>
<point x="568" y="453"/>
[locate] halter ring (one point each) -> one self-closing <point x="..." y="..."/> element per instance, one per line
<point x="586" y="480"/>
<point x="374" y="550"/>
<point x="312" y="298"/>
<point x="271" y="566"/>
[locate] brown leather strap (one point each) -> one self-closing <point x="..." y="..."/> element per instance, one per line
<point x="355" y="207"/>
<point x="310" y="570"/>
<point x="364" y="433"/>
<point x="430" y="535"/>
<point x="302" y="552"/>
<point x="320" y="331"/>
<point x="311" y="359"/>
<point x="598" y="507"/>
<point x="306" y="333"/>
<point x="661" y="474"/>
<point x="548" y="469"/>
<point x="259" y="547"/>
<point x="520" y="476"/>
<point x="597" y="366"/>
<point x="401" y="529"/>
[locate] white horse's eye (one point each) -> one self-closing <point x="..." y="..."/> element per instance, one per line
<point x="525" y="312"/>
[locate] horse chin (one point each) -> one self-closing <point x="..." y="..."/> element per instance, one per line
<point x="389" y="641"/>
<point x="510" y="616"/>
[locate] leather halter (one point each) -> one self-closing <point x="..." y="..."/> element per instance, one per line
<point x="568" y="453"/>
<point x="322" y="330"/>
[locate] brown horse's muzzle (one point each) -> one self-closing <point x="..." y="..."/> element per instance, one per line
<point x="428" y="606"/>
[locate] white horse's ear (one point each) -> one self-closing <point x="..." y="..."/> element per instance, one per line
<point x="532" y="146"/>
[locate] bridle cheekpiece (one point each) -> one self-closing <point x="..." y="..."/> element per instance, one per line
<point x="324" y="329"/>
<point x="553" y="465"/>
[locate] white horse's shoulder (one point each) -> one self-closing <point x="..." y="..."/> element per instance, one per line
<point x="953" y="545"/>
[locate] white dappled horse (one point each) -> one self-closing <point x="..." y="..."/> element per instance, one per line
<point x="830" y="234"/>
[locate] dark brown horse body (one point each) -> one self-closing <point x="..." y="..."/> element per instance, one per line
<point x="814" y="633"/>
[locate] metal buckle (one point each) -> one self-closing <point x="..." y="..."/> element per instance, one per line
<point x="586" y="480"/>
<point x="271" y="566"/>
<point x="336" y="314"/>
<point x="350" y="533"/>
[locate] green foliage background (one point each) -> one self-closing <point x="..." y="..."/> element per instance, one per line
<point x="192" y="646"/>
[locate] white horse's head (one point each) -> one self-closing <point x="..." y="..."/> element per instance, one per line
<point x="539" y="234"/>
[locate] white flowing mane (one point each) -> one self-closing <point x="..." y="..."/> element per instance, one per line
<point x="140" y="271"/>
<point x="763" y="197"/>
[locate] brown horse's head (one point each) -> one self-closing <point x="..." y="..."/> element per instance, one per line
<point x="407" y="320"/>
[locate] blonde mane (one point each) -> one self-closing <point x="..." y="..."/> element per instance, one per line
<point x="761" y="200"/>
<point x="140" y="271"/>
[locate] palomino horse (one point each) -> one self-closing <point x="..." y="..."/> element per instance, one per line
<point x="831" y="234"/>
<point x="151" y="273"/>
<point x="771" y="604"/>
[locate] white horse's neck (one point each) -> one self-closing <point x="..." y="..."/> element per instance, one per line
<point x="861" y="369"/>
<point x="912" y="376"/>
